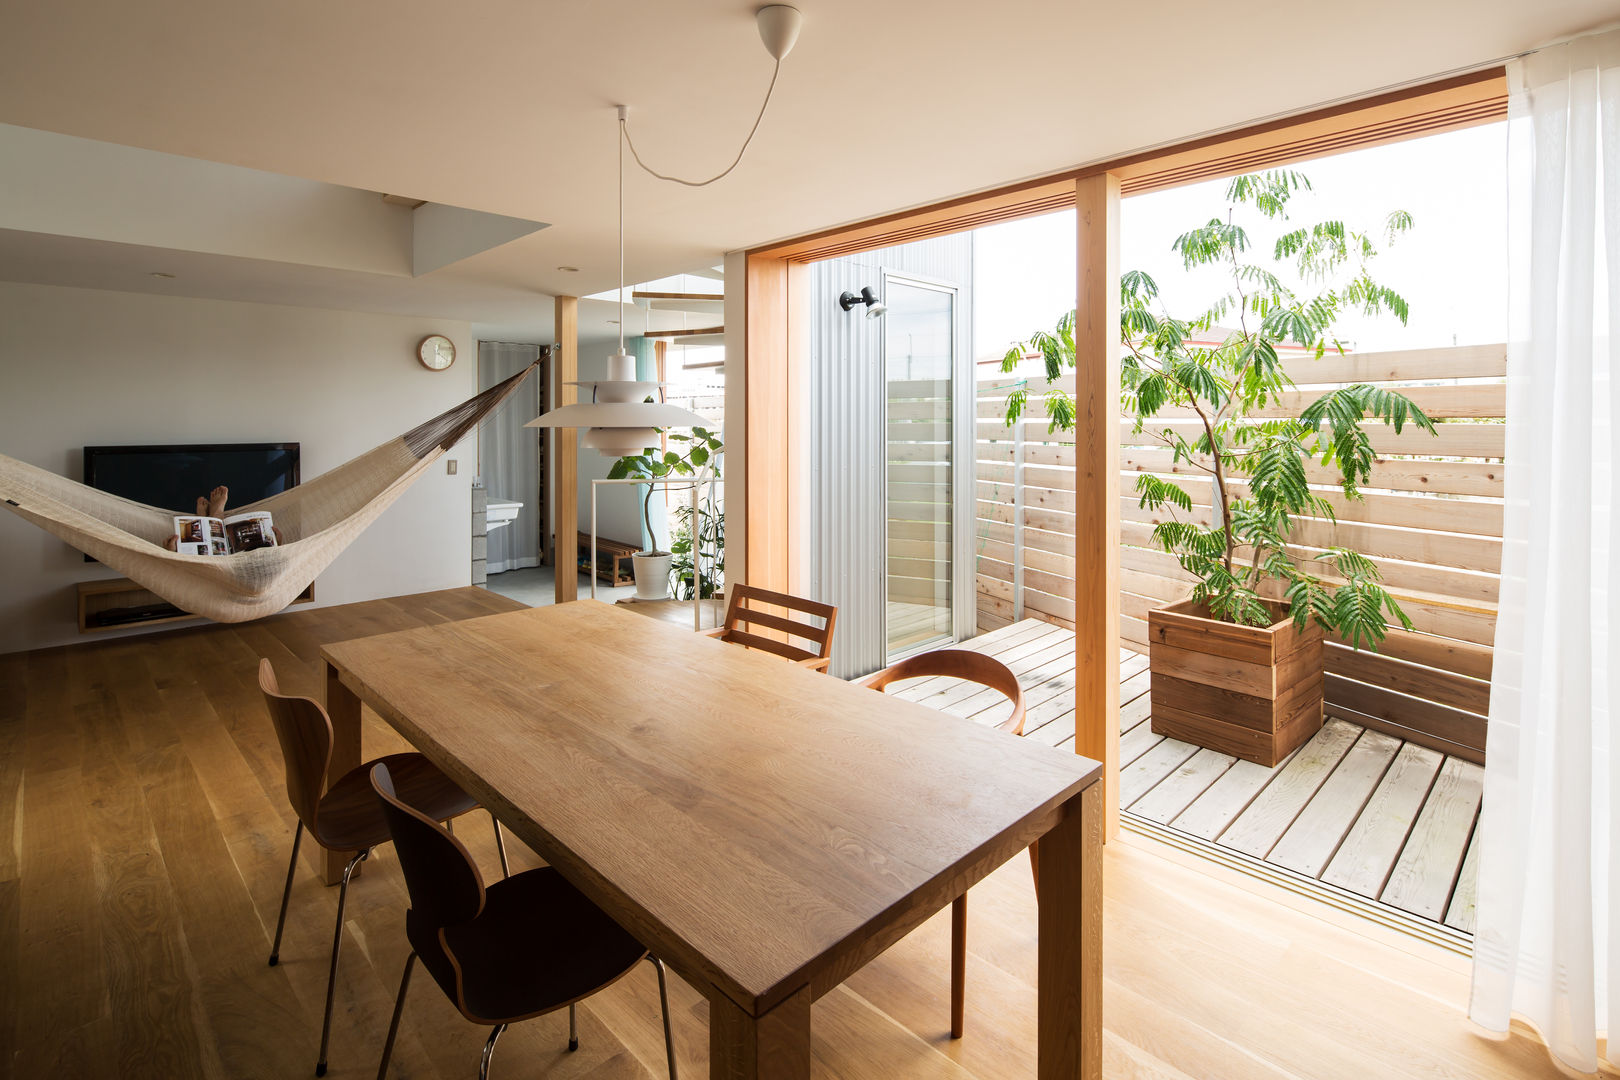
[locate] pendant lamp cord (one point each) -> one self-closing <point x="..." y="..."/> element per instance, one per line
<point x="626" y="134"/>
<point x="623" y="127"/>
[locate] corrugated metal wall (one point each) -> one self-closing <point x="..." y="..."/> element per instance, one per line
<point x="847" y="441"/>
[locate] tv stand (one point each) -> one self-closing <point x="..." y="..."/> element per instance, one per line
<point x="117" y="603"/>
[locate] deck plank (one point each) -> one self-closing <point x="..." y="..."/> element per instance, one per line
<point x="1139" y="777"/>
<point x="1460" y="913"/>
<point x="1170" y="796"/>
<point x="1351" y="811"/>
<point x="1426" y="872"/>
<point x="1135" y="710"/>
<point x="1321" y="827"/>
<point x="1136" y="742"/>
<point x="1213" y="811"/>
<point x="1368" y="853"/>
<point x="1257" y="830"/>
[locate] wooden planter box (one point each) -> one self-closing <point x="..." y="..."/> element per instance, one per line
<point x="1253" y="692"/>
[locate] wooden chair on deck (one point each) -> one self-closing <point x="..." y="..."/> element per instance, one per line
<point x="986" y="671"/>
<point x="345" y="816"/>
<point x="742" y="611"/>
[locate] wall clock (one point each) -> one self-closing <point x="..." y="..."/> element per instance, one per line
<point x="436" y="352"/>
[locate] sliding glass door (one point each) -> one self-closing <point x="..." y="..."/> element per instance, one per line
<point x="919" y="362"/>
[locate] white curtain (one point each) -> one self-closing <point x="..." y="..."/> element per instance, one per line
<point x="509" y="455"/>
<point x="1545" y="945"/>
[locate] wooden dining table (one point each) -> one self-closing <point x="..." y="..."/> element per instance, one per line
<point x="764" y="829"/>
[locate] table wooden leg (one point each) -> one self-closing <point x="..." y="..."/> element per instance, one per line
<point x="775" y="1046"/>
<point x="1070" y="977"/>
<point x="343" y="708"/>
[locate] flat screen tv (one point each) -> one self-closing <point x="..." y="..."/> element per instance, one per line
<point x="171" y="477"/>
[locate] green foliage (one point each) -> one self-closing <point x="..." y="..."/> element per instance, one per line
<point x="711" y="549"/>
<point x="701" y="449"/>
<point x="1242" y="556"/>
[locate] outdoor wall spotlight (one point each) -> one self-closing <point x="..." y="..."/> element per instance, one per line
<point x="874" y="306"/>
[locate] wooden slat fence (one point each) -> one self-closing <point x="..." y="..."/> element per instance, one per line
<point x="1431" y="519"/>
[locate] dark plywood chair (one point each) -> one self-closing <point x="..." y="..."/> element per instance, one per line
<point x="344" y="816"/>
<point x="986" y="671"/>
<point x="746" y="616"/>
<point x="515" y="950"/>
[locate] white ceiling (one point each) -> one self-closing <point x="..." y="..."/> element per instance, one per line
<point x="506" y="106"/>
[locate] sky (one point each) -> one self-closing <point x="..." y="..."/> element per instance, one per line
<point x="1451" y="266"/>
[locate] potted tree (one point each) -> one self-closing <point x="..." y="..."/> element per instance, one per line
<point x="699" y="450"/>
<point x="1237" y="665"/>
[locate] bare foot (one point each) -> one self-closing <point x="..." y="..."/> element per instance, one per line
<point x="202" y="506"/>
<point x="216" y="501"/>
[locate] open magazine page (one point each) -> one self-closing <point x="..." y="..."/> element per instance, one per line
<point x="199" y="535"/>
<point x="196" y="534"/>
<point x="248" y="531"/>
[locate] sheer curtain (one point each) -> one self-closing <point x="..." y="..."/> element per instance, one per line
<point x="509" y="455"/>
<point x="1546" y="938"/>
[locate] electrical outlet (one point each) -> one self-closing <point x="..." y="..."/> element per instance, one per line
<point x="450" y="467"/>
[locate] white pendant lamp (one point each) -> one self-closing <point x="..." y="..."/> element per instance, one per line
<point x="619" y="419"/>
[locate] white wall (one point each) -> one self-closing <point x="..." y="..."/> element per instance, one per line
<point x="80" y="366"/>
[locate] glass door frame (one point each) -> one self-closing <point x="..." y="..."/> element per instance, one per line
<point x="964" y="614"/>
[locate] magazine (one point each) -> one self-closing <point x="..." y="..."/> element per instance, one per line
<point x="198" y="535"/>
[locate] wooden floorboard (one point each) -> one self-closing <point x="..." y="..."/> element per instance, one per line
<point x="147" y="832"/>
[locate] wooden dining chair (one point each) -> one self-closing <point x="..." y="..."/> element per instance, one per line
<point x="344" y="816"/>
<point x="987" y="671"/>
<point x="744" y="620"/>
<point x="512" y="951"/>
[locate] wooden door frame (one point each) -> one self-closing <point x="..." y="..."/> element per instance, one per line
<point x="775" y="368"/>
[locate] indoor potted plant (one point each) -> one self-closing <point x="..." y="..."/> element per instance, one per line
<point x="701" y="449"/>
<point x="1237" y="665"/>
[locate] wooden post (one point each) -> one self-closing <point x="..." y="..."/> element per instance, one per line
<point x="565" y="452"/>
<point x="1096" y="483"/>
<point x="766" y="470"/>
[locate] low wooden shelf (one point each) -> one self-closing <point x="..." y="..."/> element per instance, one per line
<point x="612" y="559"/>
<point x="139" y="606"/>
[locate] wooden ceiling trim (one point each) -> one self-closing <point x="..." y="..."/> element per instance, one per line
<point x="1478" y="97"/>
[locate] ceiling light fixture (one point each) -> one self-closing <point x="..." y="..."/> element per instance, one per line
<point x="621" y="416"/>
<point x="874" y="306"/>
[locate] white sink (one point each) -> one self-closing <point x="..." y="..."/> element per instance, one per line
<point x="500" y="513"/>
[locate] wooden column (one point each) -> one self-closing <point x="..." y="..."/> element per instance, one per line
<point x="766" y="467"/>
<point x="1096" y="483"/>
<point x="565" y="451"/>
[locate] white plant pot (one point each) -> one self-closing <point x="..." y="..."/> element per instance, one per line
<point x="652" y="574"/>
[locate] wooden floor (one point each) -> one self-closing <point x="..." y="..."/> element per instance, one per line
<point x="147" y="832"/>
<point x="1386" y="820"/>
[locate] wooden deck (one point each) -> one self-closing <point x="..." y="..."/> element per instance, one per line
<point x="1384" y="819"/>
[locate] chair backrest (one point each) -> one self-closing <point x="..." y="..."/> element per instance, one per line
<point x="743" y="617"/>
<point x="305" y="734"/>
<point x="965" y="664"/>
<point x="444" y="884"/>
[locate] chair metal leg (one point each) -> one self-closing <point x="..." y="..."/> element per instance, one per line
<point x="663" y="1001"/>
<point x="958" y="963"/>
<point x="573" y="1029"/>
<point x="331" y="974"/>
<point x="500" y="845"/>
<point x="399" y="1007"/>
<point x="489" y="1052"/>
<point x="286" y="894"/>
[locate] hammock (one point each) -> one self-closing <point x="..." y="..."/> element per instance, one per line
<point x="317" y="520"/>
